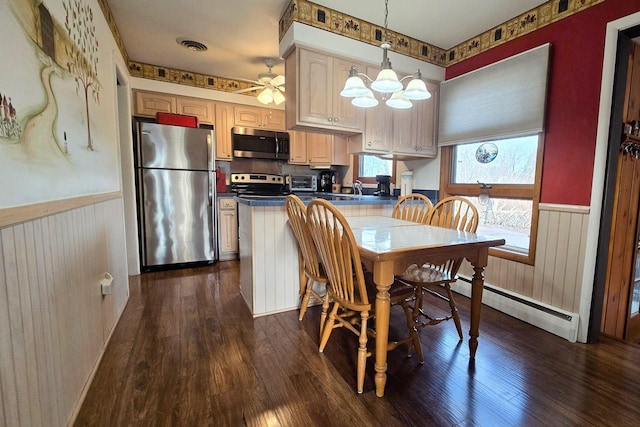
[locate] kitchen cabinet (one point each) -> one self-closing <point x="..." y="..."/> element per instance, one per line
<point x="319" y="148"/>
<point x="256" y="117"/>
<point x="147" y="104"/>
<point x="401" y="134"/>
<point x="316" y="149"/>
<point x="314" y="80"/>
<point x="377" y="134"/>
<point x="201" y="108"/>
<point x="227" y="229"/>
<point x="223" y="124"/>
<point x="298" y="148"/>
<point x="150" y="103"/>
<point x="414" y="130"/>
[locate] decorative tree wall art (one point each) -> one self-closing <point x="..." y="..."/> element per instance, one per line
<point x="83" y="54"/>
<point x="58" y="132"/>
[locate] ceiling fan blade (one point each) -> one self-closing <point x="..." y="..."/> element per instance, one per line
<point x="280" y="88"/>
<point x="277" y="80"/>
<point x="249" y="89"/>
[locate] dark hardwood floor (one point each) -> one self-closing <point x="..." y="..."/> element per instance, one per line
<point x="186" y="352"/>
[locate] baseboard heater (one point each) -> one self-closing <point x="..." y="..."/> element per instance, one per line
<point x="544" y="316"/>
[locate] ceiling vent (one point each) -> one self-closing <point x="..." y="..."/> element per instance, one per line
<point x="192" y="45"/>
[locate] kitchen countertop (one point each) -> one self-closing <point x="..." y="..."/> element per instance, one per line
<point x="335" y="198"/>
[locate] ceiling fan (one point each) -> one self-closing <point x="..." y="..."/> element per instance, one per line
<point x="271" y="85"/>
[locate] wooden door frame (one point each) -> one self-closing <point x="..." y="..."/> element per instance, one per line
<point x="613" y="151"/>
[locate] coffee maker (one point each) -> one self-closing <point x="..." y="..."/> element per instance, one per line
<point x="327" y="179"/>
<point x="384" y="185"/>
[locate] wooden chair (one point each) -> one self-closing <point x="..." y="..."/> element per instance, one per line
<point x="455" y="213"/>
<point x="413" y="207"/>
<point x="310" y="268"/>
<point x="350" y="289"/>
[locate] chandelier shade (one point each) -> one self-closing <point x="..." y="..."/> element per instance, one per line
<point x="397" y="100"/>
<point x="366" y="100"/>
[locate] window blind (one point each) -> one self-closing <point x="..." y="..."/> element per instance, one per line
<point x="504" y="99"/>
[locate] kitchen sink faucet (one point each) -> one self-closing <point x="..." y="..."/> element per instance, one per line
<point x="357" y="188"/>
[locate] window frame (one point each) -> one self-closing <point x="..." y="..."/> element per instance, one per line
<point x="509" y="191"/>
<point x="370" y="179"/>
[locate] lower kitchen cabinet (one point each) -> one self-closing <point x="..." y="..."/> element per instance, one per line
<point x="227" y="229"/>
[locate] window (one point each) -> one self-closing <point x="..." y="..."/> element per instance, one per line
<point x="366" y="167"/>
<point x="501" y="178"/>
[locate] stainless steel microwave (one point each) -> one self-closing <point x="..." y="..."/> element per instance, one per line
<point x="259" y="144"/>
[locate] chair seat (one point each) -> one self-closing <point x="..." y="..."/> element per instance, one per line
<point x="426" y="274"/>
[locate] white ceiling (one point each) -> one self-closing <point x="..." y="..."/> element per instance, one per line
<point x="239" y="34"/>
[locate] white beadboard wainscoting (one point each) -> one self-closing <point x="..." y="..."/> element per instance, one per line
<point x="269" y="279"/>
<point x="54" y="321"/>
<point x="546" y="294"/>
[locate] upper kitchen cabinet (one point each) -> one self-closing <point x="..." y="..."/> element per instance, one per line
<point x="204" y="110"/>
<point x="257" y="117"/>
<point x="315" y="149"/>
<point x="150" y="103"/>
<point x="401" y="134"/>
<point x="376" y="138"/>
<point x="224" y="123"/>
<point x="414" y="130"/>
<point x="313" y="82"/>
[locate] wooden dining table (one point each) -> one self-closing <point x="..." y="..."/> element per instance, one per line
<point x="388" y="246"/>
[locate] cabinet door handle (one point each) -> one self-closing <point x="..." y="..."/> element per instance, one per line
<point x="330" y="119"/>
<point x="335" y="119"/>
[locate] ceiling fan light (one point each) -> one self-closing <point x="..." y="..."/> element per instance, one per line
<point x="398" y="101"/>
<point x="266" y="96"/>
<point x="416" y="89"/>
<point x="387" y="81"/>
<point x="365" y="101"/>
<point x="278" y="97"/>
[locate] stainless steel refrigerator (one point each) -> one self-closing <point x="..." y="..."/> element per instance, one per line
<point x="176" y="194"/>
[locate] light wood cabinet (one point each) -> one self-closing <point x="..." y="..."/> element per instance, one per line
<point x="150" y="103"/>
<point x="401" y="134"/>
<point x="377" y="134"/>
<point x="414" y="129"/>
<point x="227" y="229"/>
<point x="204" y="110"/>
<point x="298" y="148"/>
<point x="317" y="149"/>
<point x="223" y="125"/>
<point x="257" y="117"/>
<point x="313" y="81"/>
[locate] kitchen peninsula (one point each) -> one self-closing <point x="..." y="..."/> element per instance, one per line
<point x="269" y="268"/>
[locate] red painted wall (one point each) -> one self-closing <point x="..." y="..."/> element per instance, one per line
<point x="577" y="50"/>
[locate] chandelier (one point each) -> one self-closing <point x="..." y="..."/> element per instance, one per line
<point x="387" y="83"/>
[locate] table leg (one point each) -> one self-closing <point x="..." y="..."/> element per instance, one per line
<point x="477" y="286"/>
<point x="383" y="278"/>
